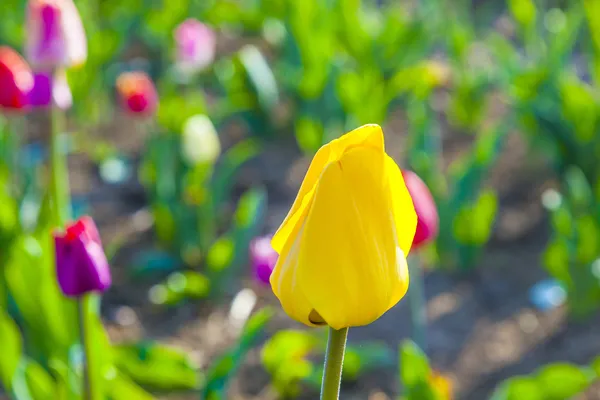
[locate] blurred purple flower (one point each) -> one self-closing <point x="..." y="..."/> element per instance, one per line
<point x="81" y="265"/>
<point x="42" y="93"/>
<point x="55" y="34"/>
<point x="196" y="45"/>
<point x="263" y="258"/>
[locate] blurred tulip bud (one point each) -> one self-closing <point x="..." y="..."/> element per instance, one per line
<point x="262" y="258"/>
<point x="200" y="143"/>
<point x="427" y="214"/>
<point x="48" y="88"/>
<point x="81" y="265"/>
<point x="196" y="45"/>
<point x="137" y="93"/>
<point x="55" y="34"/>
<point x="16" y="80"/>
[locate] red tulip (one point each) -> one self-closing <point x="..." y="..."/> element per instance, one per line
<point x="427" y="214"/>
<point x="137" y="93"/>
<point x="16" y="80"/>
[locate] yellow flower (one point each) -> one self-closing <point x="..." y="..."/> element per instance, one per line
<point x="343" y="245"/>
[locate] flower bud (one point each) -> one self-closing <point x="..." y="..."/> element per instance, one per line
<point x="16" y="80"/>
<point x="343" y="245"/>
<point x="262" y="258"/>
<point x="427" y="214"/>
<point x="137" y="93"/>
<point x="81" y="265"/>
<point x="200" y="142"/>
<point x="55" y="34"/>
<point x="195" y="46"/>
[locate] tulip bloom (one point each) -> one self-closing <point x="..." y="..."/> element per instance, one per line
<point x="263" y="258"/>
<point x="200" y="141"/>
<point x="137" y="93"/>
<point x="427" y="215"/>
<point x="48" y="88"/>
<point x="81" y="265"/>
<point x="55" y="34"/>
<point x="16" y="80"/>
<point x="343" y="245"/>
<point x="196" y="45"/>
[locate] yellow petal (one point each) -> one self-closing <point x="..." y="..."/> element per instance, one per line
<point x="367" y="135"/>
<point x="284" y="280"/>
<point x="401" y="205"/>
<point x="351" y="268"/>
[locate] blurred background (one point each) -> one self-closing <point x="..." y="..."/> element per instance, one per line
<point x="189" y="129"/>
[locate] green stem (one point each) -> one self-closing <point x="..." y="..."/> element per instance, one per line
<point x="59" y="179"/>
<point x="416" y="299"/>
<point x="334" y="360"/>
<point x="87" y="389"/>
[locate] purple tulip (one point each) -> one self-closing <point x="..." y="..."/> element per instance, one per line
<point x="263" y="258"/>
<point x="81" y="265"/>
<point x="43" y="93"/>
<point x="196" y="45"/>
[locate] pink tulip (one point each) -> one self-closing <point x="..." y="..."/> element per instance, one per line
<point x="16" y="80"/>
<point x="427" y="214"/>
<point x="55" y="34"/>
<point x="81" y="265"/>
<point x="196" y="45"/>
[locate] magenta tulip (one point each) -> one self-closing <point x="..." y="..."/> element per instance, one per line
<point x="427" y="214"/>
<point x="81" y="265"/>
<point x="262" y="258"/>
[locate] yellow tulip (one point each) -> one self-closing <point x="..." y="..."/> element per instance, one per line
<point x="343" y="245"/>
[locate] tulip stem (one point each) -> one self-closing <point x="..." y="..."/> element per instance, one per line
<point x="334" y="360"/>
<point x="416" y="299"/>
<point x="59" y="179"/>
<point x="81" y="313"/>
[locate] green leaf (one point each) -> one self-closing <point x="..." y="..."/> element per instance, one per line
<point x="414" y="366"/>
<point x="39" y="381"/>
<point x="226" y="366"/>
<point x="223" y="177"/>
<point x="157" y="366"/>
<point x="121" y="387"/>
<point x="562" y="381"/>
<point x="260" y="77"/>
<point x="12" y="345"/>
<point x="518" y="388"/>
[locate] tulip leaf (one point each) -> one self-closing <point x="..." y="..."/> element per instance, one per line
<point x="414" y="366"/>
<point x="285" y="357"/>
<point x="123" y="388"/>
<point x="157" y="366"/>
<point x="225" y="366"/>
<point x="41" y="384"/>
<point x="222" y="180"/>
<point x="563" y="381"/>
<point x="12" y="345"/>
